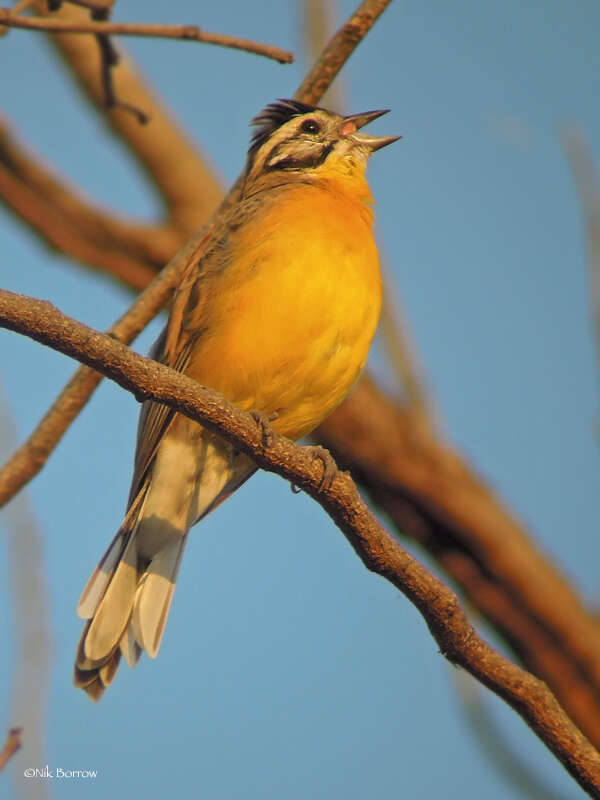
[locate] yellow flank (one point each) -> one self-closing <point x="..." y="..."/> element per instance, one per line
<point x="294" y="313"/>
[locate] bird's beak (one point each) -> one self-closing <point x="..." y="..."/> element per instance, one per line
<point x="353" y="122"/>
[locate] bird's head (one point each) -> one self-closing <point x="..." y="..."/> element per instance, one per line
<point x="295" y="140"/>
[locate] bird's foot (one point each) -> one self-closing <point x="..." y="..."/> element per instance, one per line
<point x="263" y="423"/>
<point x="330" y="468"/>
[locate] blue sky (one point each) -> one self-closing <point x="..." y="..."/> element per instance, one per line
<point x="287" y="670"/>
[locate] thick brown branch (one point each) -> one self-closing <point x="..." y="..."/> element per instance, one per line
<point x="190" y="33"/>
<point x="67" y="222"/>
<point x="380" y="553"/>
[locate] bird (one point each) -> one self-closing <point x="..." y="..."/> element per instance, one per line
<point x="278" y="316"/>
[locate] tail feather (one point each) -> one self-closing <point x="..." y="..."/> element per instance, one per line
<point x="112" y="614"/>
<point x="91" y="678"/>
<point x="154" y="595"/>
<point x="130" y="649"/>
<point x="97" y="584"/>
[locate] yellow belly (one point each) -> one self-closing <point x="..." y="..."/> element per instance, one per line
<point x="291" y="325"/>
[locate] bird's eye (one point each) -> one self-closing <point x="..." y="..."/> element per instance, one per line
<point x="310" y="126"/>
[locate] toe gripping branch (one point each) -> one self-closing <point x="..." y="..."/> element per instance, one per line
<point x="330" y="468"/>
<point x="263" y="423"/>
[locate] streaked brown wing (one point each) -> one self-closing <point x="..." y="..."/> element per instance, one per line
<point x="186" y="324"/>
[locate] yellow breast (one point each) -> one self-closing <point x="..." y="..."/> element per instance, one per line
<point x="297" y="307"/>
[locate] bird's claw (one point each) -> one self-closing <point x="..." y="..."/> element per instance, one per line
<point x="330" y="468"/>
<point x="263" y="422"/>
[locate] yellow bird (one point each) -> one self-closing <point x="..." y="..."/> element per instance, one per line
<point x="278" y="316"/>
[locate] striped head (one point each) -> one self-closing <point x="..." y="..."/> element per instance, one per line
<point x="294" y="140"/>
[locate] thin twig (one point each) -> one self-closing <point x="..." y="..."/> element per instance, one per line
<point x="457" y="639"/>
<point x="191" y="33"/>
<point x="12" y="744"/>
<point x="109" y="59"/>
<point x="21" y="6"/>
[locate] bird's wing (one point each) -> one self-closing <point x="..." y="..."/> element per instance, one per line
<point x="186" y="325"/>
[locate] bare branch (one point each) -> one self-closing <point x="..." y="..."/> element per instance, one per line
<point x="432" y="494"/>
<point x="67" y="222"/>
<point x="12" y="744"/>
<point x="190" y="33"/>
<point x="457" y="639"/>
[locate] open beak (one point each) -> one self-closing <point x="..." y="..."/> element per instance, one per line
<point x="353" y="122"/>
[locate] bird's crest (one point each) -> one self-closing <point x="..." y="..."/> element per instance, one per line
<point x="273" y="117"/>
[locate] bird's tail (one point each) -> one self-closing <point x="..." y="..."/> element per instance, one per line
<point x="126" y="601"/>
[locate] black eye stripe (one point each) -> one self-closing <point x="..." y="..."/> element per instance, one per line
<point x="305" y="161"/>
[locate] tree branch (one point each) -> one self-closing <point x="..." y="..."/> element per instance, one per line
<point x="67" y="222"/>
<point x="29" y="459"/>
<point x="457" y="639"/>
<point x="12" y="744"/>
<point x="453" y="539"/>
<point x="190" y="33"/>
<point x="431" y="494"/>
